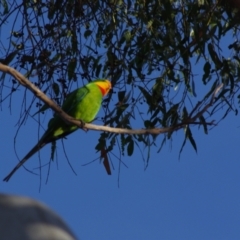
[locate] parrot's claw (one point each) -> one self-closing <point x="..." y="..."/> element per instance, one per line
<point x="82" y="125"/>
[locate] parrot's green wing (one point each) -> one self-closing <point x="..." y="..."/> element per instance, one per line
<point x="69" y="105"/>
<point x="74" y="98"/>
<point x="70" y="102"/>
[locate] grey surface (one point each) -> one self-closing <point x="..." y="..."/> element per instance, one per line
<point x="26" y="219"/>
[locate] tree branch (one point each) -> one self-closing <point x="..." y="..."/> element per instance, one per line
<point x="70" y="120"/>
<point x="39" y="94"/>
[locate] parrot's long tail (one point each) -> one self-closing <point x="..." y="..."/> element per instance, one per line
<point x="35" y="149"/>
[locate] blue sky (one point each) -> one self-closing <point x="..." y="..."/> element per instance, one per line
<point x="194" y="198"/>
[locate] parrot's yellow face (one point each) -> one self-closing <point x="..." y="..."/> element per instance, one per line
<point x="104" y="85"/>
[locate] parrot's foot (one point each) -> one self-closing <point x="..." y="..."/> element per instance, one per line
<point x="82" y="125"/>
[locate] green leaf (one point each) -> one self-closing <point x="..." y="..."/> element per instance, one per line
<point x="19" y="46"/>
<point x="130" y="147"/>
<point x="212" y="89"/>
<point x="53" y="150"/>
<point x="121" y="95"/>
<point x="185" y="113"/>
<point x="206" y="69"/>
<point x="42" y="109"/>
<point x="74" y="42"/>
<point x="156" y="112"/>
<point x="172" y="114"/>
<point x="147" y="124"/>
<point x="98" y="69"/>
<point x="193" y="89"/>
<point x="183" y="144"/>
<point x="17" y="34"/>
<point x="55" y="88"/>
<point x="101" y="142"/>
<point x="87" y="33"/>
<point x="146" y="94"/>
<point x="5" y="6"/>
<point x="202" y="120"/>
<point x="9" y="58"/>
<point x="214" y="56"/>
<point x="190" y="137"/>
<point x="127" y="36"/>
<point x="71" y="68"/>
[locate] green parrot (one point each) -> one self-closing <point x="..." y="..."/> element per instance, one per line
<point x="82" y="104"/>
